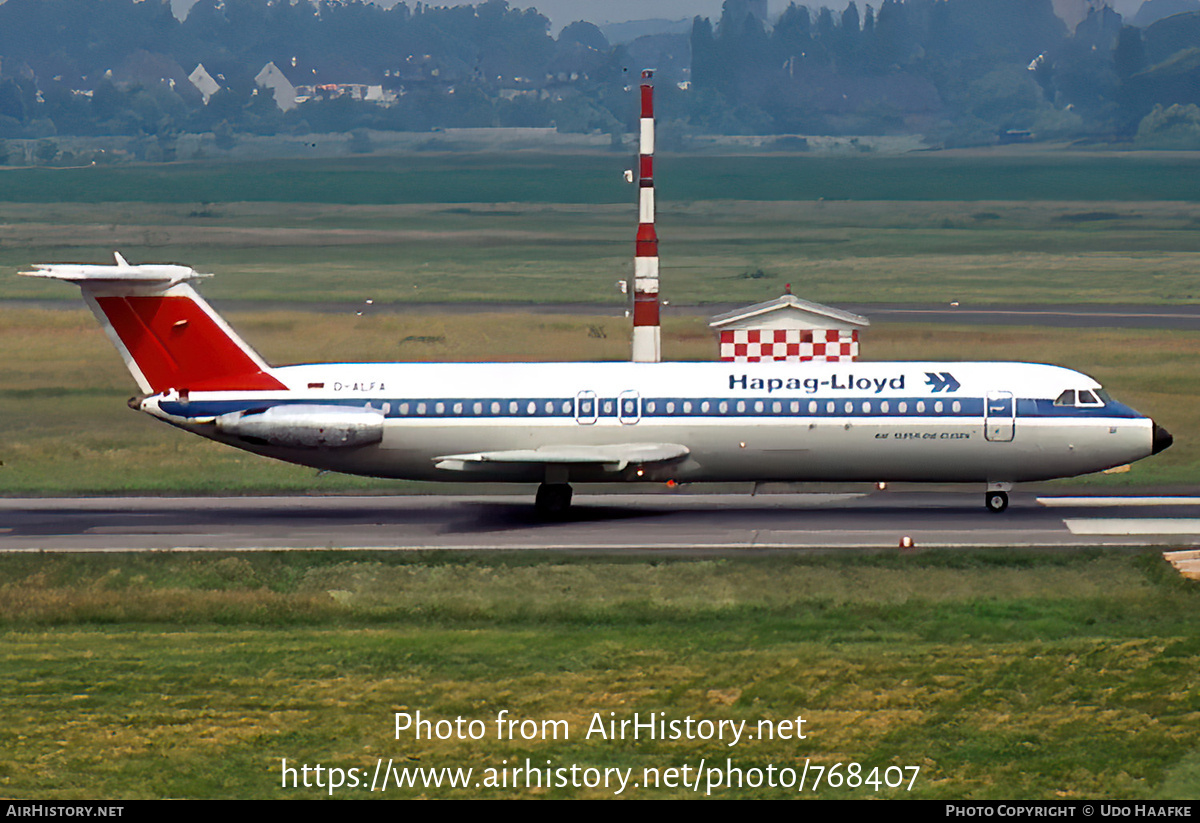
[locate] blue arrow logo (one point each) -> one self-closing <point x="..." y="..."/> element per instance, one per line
<point x="942" y="382"/>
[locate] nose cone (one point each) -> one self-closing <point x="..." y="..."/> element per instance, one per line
<point x="1162" y="439"/>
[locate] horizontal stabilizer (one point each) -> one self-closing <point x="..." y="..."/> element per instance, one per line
<point x="610" y="458"/>
<point x="151" y="274"/>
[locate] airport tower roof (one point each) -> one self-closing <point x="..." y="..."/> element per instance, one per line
<point x="790" y="304"/>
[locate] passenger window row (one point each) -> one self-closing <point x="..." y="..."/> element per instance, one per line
<point x="629" y="407"/>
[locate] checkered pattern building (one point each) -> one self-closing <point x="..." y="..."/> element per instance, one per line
<point x="789" y="345"/>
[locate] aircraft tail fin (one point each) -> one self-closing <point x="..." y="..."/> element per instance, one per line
<point x="168" y="335"/>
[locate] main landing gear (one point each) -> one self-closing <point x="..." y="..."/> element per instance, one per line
<point x="997" y="501"/>
<point x="553" y="499"/>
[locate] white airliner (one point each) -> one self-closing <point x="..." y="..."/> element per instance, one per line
<point x="557" y="423"/>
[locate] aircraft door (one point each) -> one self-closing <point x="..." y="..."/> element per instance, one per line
<point x="999" y="417"/>
<point x="629" y="407"/>
<point x="585" y="408"/>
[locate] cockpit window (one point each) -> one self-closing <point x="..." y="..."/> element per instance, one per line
<point x="1081" y="398"/>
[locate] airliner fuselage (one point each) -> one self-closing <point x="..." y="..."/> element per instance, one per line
<point x="558" y="423"/>
<point x="961" y="422"/>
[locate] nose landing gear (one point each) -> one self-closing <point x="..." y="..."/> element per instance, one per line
<point x="996" y="498"/>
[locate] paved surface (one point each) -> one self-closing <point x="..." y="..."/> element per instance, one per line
<point x="1130" y="316"/>
<point x="679" y="522"/>
<point x="1083" y="315"/>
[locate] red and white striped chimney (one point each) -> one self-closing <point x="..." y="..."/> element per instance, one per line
<point x="647" y="346"/>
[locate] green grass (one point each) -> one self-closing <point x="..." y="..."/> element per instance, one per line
<point x="65" y="429"/>
<point x="1001" y="674"/>
<point x="539" y="177"/>
<point x="712" y="252"/>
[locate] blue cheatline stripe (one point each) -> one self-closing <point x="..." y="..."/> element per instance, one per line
<point x="660" y="408"/>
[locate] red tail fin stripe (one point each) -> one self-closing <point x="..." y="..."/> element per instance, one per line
<point x="177" y="345"/>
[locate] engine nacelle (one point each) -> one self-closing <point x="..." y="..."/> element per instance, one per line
<point x="306" y="426"/>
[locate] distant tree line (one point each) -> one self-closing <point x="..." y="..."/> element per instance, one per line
<point x="961" y="72"/>
<point x="90" y="67"/>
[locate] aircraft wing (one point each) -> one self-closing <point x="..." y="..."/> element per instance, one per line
<point x="612" y="458"/>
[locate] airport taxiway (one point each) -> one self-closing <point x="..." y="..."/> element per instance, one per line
<point x="670" y="522"/>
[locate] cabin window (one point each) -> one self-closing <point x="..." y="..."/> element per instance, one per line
<point x="420" y="408"/>
<point x="724" y="407"/>
<point x="477" y="408"/>
<point x="458" y="408"/>
<point x="902" y="408"/>
<point x="1067" y="398"/>
<point x="704" y="407"/>
<point x="849" y="407"/>
<point x="812" y="406"/>
<point x="567" y="406"/>
<point x="830" y="407"/>
<point x="758" y="406"/>
<point x="777" y="407"/>
<point x="403" y="408"/>
<point x="957" y="407"/>
<point x="920" y="407"/>
<point x="866" y="407"/>
<point x="937" y="407"/>
<point x="883" y="407"/>
<point x="440" y="408"/>
<point x="651" y="407"/>
<point x="795" y="407"/>
<point x="741" y="406"/>
<point x="687" y="407"/>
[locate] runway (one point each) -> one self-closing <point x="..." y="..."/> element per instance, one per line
<point x="1079" y="315"/>
<point x="1184" y="317"/>
<point x="671" y="523"/>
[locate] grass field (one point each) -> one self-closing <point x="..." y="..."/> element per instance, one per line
<point x="1000" y="674"/>
<point x="65" y="428"/>
<point x="1010" y="225"/>
<point x="1013" y="173"/>
<point x="974" y="228"/>
<point x="712" y="252"/>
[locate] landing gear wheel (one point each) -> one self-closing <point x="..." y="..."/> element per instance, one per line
<point x="997" y="501"/>
<point x="553" y="499"/>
